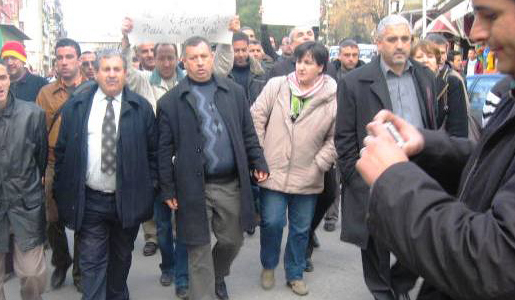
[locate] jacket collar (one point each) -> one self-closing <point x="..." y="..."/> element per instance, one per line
<point x="9" y="108"/>
<point x="156" y="80"/>
<point x="89" y="96"/>
<point x="58" y="84"/>
<point x="184" y="85"/>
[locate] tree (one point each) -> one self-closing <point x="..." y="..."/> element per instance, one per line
<point x="356" y="19"/>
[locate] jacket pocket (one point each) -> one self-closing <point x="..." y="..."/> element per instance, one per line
<point x="32" y="201"/>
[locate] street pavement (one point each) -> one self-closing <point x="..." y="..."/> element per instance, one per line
<point x="337" y="275"/>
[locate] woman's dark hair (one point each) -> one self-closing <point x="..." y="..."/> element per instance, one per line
<point x="316" y="50"/>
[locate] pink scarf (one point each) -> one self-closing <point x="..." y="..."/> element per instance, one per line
<point x="295" y="86"/>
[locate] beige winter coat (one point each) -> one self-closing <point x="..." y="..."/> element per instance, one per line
<point x="298" y="153"/>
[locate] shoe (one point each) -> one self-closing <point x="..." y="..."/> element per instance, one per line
<point x="58" y="277"/>
<point x="78" y="286"/>
<point x="309" y="265"/>
<point x="221" y="290"/>
<point x="298" y="287"/>
<point x="267" y="279"/>
<point x="316" y="242"/>
<point x="181" y="292"/>
<point x="251" y="231"/>
<point x="329" y="227"/>
<point x="149" y="249"/>
<point x="166" y="279"/>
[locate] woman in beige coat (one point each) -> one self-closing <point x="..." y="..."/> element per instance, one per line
<point x="294" y="118"/>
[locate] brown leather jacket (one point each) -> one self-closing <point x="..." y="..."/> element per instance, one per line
<point x="51" y="97"/>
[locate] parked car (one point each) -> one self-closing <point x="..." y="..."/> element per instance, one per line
<point x="478" y="87"/>
<point x="334" y="51"/>
<point x="367" y="52"/>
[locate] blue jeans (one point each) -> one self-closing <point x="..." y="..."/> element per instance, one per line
<point x="273" y="218"/>
<point x="174" y="255"/>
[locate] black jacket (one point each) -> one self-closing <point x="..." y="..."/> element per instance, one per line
<point x="27" y="88"/>
<point x="286" y="66"/>
<point x="340" y="72"/>
<point x="180" y="136"/>
<point x="255" y="82"/>
<point x="136" y="171"/>
<point x="452" y="103"/>
<point x="464" y="246"/>
<point x="23" y="157"/>
<point x="362" y="93"/>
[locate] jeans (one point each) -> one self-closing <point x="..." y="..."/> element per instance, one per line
<point x="174" y="255"/>
<point x="273" y="218"/>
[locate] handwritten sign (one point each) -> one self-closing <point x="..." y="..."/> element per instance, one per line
<point x="174" y="21"/>
<point x="291" y="12"/>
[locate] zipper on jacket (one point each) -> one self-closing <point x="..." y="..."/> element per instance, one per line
<point x="465" y="183"/>
<point x="291" y="156"/>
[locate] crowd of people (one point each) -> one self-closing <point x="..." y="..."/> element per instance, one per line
<point x="200" y="147"/>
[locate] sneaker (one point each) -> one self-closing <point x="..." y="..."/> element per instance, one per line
<point x="166" y="279"/>
<point x="149" y="249"/>
<point x="181" y="292"/>
<point x="298" y="287"/>
<point x="267" y="279"/>
<point x="329" y="227"/>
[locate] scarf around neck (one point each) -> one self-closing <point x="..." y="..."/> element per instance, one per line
<point x="299" y="99"/>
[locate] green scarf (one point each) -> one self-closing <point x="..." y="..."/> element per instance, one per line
<point x="297" y="104"/>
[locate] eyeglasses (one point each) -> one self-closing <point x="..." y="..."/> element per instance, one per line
<point x="87" y="64"/>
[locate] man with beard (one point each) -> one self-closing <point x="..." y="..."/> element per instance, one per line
<point x="390" y="81"/>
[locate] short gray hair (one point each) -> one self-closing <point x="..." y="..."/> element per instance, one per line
<point x="108" y="53"/>
<point x="297" y="28"/>
<point x="391" y="20"/>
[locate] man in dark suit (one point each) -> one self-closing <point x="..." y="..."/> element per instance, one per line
<point x="391" y="81"/>
<point x="105" y="175"/>
<point x="205" y="123"/>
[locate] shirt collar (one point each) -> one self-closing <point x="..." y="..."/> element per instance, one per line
<point x="386" y="68"/>
<point x="102" y="96"/>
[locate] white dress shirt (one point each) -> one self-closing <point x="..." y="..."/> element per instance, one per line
<point x="95" y="179"/>
<point x="471" y="67"/>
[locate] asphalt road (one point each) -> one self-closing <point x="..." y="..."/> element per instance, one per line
<point x="337" y="275"/>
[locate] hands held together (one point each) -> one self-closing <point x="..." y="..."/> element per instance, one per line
<point x="381" y="151"/>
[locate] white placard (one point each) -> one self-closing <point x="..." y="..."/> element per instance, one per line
<point x="291" y="12"/>
<point x="174" y="21"/>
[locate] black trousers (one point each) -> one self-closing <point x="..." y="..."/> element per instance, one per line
<point x="325" y="200"/>
<point x="61" y="258"/>
<point x="383" y="281"/>
<point x="106" y="249"/>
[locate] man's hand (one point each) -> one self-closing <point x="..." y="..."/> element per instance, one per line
<point x="172" y="203"/>
<point x="260" y="175"/>
<point x="127" y="26"/>
<point x="235" y="24"/>
<point x="413" y="138"/>
<point x="379" y="154"/>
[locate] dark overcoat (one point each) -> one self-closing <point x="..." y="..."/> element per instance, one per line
<point x="136" y="163"/>
<point x="180" y="136"/>
<point x="23" y="157"/>
<point x="461" y="241"/>
<point x="362" y="93"/>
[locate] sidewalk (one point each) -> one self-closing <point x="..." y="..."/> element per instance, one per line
<point x="337" y="275"/>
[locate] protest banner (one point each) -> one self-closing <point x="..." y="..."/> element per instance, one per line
<point x="174" y="21"/>
<point x="291" y="12"/>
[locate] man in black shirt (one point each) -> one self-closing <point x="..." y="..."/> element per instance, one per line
<point x="24" y="85"/>
<point x="246" y="70"/>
